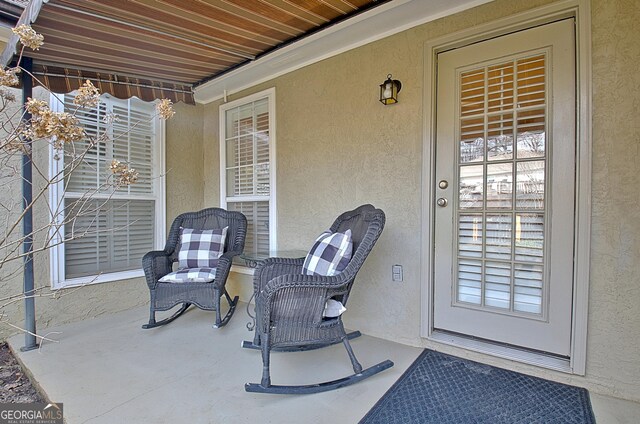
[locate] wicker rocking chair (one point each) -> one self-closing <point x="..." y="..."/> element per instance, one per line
<point x="204" y="295"/>
<point x="290" y="305"/>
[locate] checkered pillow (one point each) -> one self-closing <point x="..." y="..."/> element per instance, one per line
<point x="190" y="275"/>
<point x="201" y="248"/>
<point x="329" y="255"/>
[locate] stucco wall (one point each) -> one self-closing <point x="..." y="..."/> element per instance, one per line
<point x="184" y="187"/>
<point x="10" y="199"/>
<point x="614" y="319"/>
<point x="184" y="161"/>
<point x="332" y="131"/>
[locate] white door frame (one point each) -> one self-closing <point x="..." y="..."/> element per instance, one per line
<point x="579" y="10"/>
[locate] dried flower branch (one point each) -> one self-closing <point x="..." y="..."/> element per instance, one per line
<point x="28" y="37"/>
<point x="62" y="126"/>
<point x="88" y="95"/>
<point x="165" y="109"/>
<point x="124" y="175"/>
<point x="7" y="95"/>
<point x="8" y="77"/>
<point x="110" y="118"/>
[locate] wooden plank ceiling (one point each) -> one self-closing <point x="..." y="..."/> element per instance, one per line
<point x="184" y="42"/>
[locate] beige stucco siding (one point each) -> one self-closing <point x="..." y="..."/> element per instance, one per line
<point x="614" y="319"/>
<point x="10" y="199"/>
<point x="338" y="147"/>
<point x="184" y="162"/>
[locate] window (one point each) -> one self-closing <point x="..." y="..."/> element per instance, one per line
<point x="247" y="166"/>
<point x="107" y="240"/>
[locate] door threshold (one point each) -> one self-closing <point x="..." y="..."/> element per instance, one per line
<point x="503" y="351"/>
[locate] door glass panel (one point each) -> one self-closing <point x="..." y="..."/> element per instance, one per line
<point x="470" y="236"/>
<point x="471" y="186"/>
<point x="500" y="87"/>
<point x="500" y="137"/>
<point x="528" y="288"/>
<point x="472" y="140"/>
<point x="470" y="281"/>
<point x="472" y="150"/>
<point x="531" y="81"/>
<point x="530" y="185"/>
<point x="472" y="91"/>
<point x="497" y="287"/>
<point x="499" y="185"/>
<point x="502" y="177"/>
<point x="529" y="240"/>
<point x="530" y="133"/>
<point x="498" y="237"/>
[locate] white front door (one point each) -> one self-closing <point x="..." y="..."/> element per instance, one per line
<point x="505" y="171"/>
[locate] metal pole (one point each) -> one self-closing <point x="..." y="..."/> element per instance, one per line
<point x="27" y="222"/>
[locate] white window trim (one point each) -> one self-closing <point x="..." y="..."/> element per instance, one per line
<point x="56" y="259"/>
<point x="270" y="94"/>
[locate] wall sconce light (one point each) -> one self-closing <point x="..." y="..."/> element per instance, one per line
<point x="389" y="91"/>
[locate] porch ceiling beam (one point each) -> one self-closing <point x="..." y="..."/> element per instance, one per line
<point x="155" y="31"/>
<point x="377" y="23"/>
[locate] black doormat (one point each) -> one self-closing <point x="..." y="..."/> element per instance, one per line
<point x="442" y="389"/>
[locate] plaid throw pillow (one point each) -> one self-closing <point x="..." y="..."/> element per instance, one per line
<point x="190" y="275"/>
<point x="201" y="248"/>
<point x="329" y="255"/>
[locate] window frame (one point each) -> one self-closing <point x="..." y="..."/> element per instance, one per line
<point x="56" y="197"/>
<point x="270" y="95"/>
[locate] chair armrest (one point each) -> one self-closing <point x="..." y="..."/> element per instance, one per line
<point x="271" y="268"/>
<point x="156" y="264"/>
<point x="223" y="268"/>
<point x="302" y="280"/>
<point x="297" y="299"/>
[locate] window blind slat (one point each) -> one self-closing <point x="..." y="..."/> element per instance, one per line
<point x="257" y="214"/>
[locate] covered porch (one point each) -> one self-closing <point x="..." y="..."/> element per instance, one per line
<point x="338" y="147"/>
<point x="106" y="370"/>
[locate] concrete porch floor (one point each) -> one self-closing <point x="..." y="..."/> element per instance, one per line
<point x="109" y="370"/>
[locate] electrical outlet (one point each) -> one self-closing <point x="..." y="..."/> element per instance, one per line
<point x="396" y="273"/>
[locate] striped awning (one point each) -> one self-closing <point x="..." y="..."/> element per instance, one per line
<point x="65" y="80"/>
<point x="163" y="48"/>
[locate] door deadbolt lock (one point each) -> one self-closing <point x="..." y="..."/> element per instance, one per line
<point x="443" y="184"/>
<point x="442" y="202"/>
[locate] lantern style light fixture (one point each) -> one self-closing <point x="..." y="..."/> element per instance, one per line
<point x="389" y="91"/>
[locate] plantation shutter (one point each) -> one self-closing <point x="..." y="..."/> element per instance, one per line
<point x="248" y="169"/>
<point x="86" y="175"/>
<point x="88" y="247"/>
<point x="257" y="214"/>
<point x="501" y="225"/>
<point x="133" y="135"/>
<point x="113" y="230"/>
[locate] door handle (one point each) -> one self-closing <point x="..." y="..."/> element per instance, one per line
<point x="442" y="202"/>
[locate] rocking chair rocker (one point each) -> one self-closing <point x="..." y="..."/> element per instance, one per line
<point x="203" y="294"/>
<point x="290" y="305"/>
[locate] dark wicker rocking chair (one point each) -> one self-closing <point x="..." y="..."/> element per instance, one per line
<point x="290" y="305"/>
<point x="156" y="264"/>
